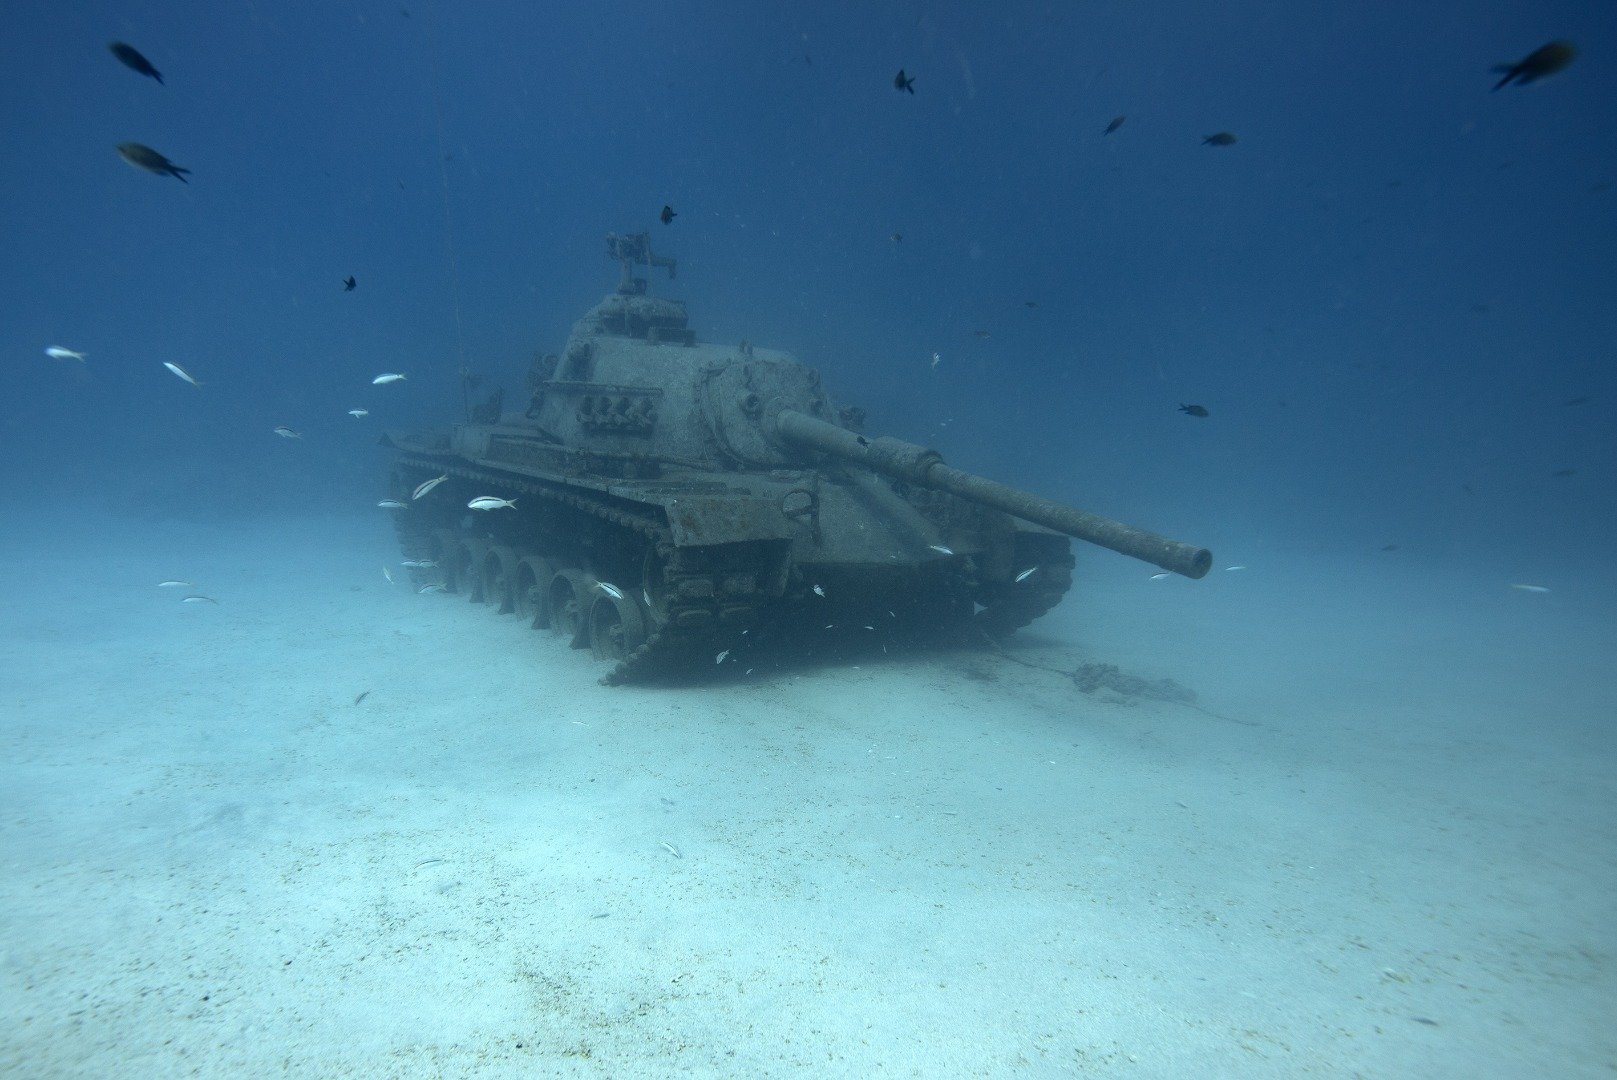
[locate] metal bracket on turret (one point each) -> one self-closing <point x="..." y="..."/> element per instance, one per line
<point x="632" y="251"/>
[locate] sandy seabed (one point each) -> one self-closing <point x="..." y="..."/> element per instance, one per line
<point x="1382" y="848"/>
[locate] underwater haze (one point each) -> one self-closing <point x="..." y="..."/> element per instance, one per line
<point x="1312" y="285"/>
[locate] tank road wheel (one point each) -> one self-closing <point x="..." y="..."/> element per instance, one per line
<point x="499" y="570"/>
<point x="570" y="595"/>
<point x="653" y="571"/>
<point x="531" y="590"/>
<point x="1010" y="606"/>
<point x="476" y="552"/>
<point x="454" y="560"/>
<point x="617" y="628"/>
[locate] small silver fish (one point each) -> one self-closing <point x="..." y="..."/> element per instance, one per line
<point x="430" y="588"/>
<point x="181" y="372"/>
<point x="818" y="591"/>
<point x="428" y="486"/>
<point x="936" y="359"/>
<point x="56" y="352"/>
<point x="1025" y="574"/>
<point x="719" y="659"/>
<point x="199" y="600"/>
<point x="393" y="504"/>
<point x="1228" y="568"/>
<point x="489" y="502"/>
<point x="173" y="584"/>
<point x="611" y="590"/>
<point x="387" y="574"/>
<point x="288" y="433"/>
<point x="940" y="549"/>
<point x="357" y="413"/>
<point x="1159" y="577"/>
<point x="383" y="380"/>
<point x="419" y="564"/>
<point x="1531" y="588"/>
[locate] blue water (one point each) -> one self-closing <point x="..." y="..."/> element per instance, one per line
<point x="1393" y="294"/>
<point x="1385" y="293"/>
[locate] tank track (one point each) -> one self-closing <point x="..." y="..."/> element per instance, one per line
<point x="1009" y="607"/>
<point x="699" y="611"/>
<point x="686" y="624"/>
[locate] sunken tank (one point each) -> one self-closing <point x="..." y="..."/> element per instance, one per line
<point x="668" y="497"/>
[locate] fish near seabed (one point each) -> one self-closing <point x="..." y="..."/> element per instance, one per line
<point x="144" y="157"/>
<point x="130" y="57"/>
<point x="1542" y="61"/>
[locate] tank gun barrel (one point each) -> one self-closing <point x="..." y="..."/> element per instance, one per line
<point x="925" y="468"/>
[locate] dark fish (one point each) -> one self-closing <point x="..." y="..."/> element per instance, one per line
<point x="1564" y="472"/>
<point x="1580" y="401"/>
<point x="902" y="82"/>
<point x="981" y="333"/>
<point x="896" y="238"/>
<point x="1223" y="138"/>
<point x="1389" y="547"/>
<point x="362" y="697"/>
<point x="349" y="284"/>
<point x="1030" y="303"/>
<point x="131" y="59"/>
<point x="144" y="157"/>
<point x="1193" y="410"/>
<point x="1117" y="122"/>
<point x="1542" y="61"/>
<point x="667" y="215"/>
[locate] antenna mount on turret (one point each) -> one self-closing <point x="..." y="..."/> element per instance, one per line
<point x="631" y="251"/>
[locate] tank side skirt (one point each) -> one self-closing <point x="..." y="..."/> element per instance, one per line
<point x="694" y="621"/>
